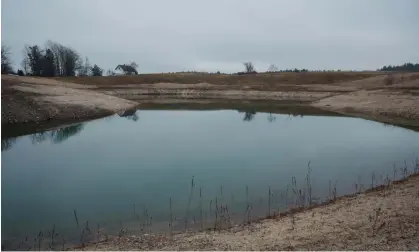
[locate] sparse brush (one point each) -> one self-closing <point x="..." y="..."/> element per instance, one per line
<point x="200" y="207"/>
<point x="77" y="220"/>
<point x="228" y="215"/>
<point x="330" y="189"/>
<point x="189" y="203"/>
<point x="394" y="172"/>
<point x="387" y="184"/>
<point x="292" y="219"/>
<point x="40" y="238"/>
<point x="372" y="180"/>
<point x="171" y="217"/>
<point x="309" y="186"/>
<point x="247" y="204"/>
<point x="82" y="232"/>
<point x="98" y="232"/>
<point x="150" y="224"/>
<point x="216" y="213"/>
<point x="146" y="219"/>
<point x="210" y="207"/>
<point x="51" y="235"/>
<point x="86" y="230"/>
<point x="295" y="190"/>
<point x="334" y="192"/>
<point x="269" y="202"/>
<point x="63" y="242"/>
<point x="302" y="198"/>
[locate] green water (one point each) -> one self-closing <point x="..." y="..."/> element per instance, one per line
<point x="113" y="170"/>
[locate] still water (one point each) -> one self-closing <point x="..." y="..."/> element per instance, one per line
<point x="116" y="170"/>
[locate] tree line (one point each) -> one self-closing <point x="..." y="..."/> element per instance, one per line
<point x="55" y="59"/>
<point x="407" y="67"/>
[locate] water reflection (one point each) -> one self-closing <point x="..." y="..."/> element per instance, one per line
<point x="249" y="115"/>
<point x="7" y="143"/>
<point x="222" y="162"/>
<point x="59" y="135"/>
<point x="271" y="118"/>
<point x="131" y="114"/>
<point x="56" y="136"/>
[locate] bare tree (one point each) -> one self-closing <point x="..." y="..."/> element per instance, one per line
<point x="67" y="60"/>
<point x="271" y="117"/>
<point x="58" y="51"/>
<point x="249" y="67"/>
<point x="85" y="67"/>
<point x="273" y="68"/>
<point x="34" y="55"/>
<point x="6" y="63"/>
<point x="110" y="73"/>
<point x="25" y="65"/>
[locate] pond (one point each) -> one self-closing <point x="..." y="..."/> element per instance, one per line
<point x="136" y="170"/>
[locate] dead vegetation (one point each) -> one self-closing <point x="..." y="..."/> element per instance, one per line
<point x="265" y="80"/>
<point x="383" y="218"/>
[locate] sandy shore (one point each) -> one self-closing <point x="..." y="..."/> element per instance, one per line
<point x="385" y="218"/>
<point x="30" y="101"/>
<point x="35" y="104"/>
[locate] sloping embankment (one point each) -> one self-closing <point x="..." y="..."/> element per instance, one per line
<point x="42" y="103"/>
<point x="32" y="103"/>
<point x="386" y="218"/>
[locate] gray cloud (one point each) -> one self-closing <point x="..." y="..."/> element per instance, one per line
<point x="164" y="35"/>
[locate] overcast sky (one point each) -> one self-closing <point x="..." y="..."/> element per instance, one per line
<point x="167" y="35"/>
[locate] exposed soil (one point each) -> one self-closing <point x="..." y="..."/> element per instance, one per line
<point x="386" y="218"/>
<point x="41" y="101"/>
<point x="384" y="105"/>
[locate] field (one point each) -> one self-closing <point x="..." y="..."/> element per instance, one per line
<point x="262" y="80"/>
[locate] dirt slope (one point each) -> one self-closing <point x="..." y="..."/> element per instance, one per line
<point x="34" y="100"/>
<point x="363" y="94"/>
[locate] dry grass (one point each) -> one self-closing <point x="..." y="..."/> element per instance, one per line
<point x="263" y="79"/>
<point x="360" y="94"/>
<point x="384" y="218"/>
